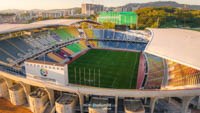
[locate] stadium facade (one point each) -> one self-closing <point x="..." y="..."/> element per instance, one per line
<point x="54" y="65"/>
<point x="119" y="18"/>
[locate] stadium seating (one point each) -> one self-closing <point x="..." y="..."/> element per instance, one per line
<point x="83" y="43"/>
<point x="130" y="37"/>
<point x="11" y="50"/>
<point x="4" y="56"/>
<point x="63" y="34"/>
<point x="61" y="53"/>
<point x="89" y="33"/>
<point x="73" y="31"/>
<point x="49" y="39"/>
<point x="181" y="75"/>
<point x="64" y="52"/>
<point x="122" y="45"/>
<point x="18" y="42"/>
<point x="112" y="44"/>
<point x="32" y="42"/>
<point x="70" y="52"/>
<point x="55" y="57"/>
<point x="18" y="48"/>
<point x="118" y="36"/>
<point x="105" y="44"/>
<point x="42" y="41"/>
<point x="13" y="71"/>
<point x="45" y="58"/>
<point x="94" y="43"/>
<point x="108" y="34"/>
<point x="132" y="46"/>
<point x="98" y="33"/>
<point x="91" y="43"/>
<point x="56" y="37"/>
<point x="74" y="48"/>
<point x="111" y="35"/>
<point x="37" y="42"/>
<point x="117" y="44"/>
<point x="156" y="72"/>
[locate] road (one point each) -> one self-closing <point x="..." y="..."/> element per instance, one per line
<point x="7" y="107"/>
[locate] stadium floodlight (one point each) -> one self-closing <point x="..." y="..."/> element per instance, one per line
<point x="75" y="73"/>
<point x="79" y="75"/>
<point x="84" y="75"/>
<point x="99" y="77"/>
<point x="94" y="77"/>
<point x="89" y="76"/>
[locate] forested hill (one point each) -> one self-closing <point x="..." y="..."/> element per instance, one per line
<point x="161" y="4"/>
<point x="167" y="17"/>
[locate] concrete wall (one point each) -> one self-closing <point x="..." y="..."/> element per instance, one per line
<point x="64" y="106"/>
<point x="17" y="95"/>
<point x="37" y="104"/>
<point x="3" y="89"/>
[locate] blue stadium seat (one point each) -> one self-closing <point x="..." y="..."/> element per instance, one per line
<point x="4" y="57"/>
<point x="122" y="45"/>
<point x="119" y="36"/>
<point x="10" y="49"/>
<point x="56" y="37"/>
<point x="125" y="37"/>
<point x="98" y="33"/>
<point x="112" y="44"/>
<point x="129" y="37"/>
<point x="104" y="44"/>
<point x="143" y="46"/>
<point x="136" y="38"/>
<point x="20" y="44"/>
<point x="108" y="34"/>
<point x="46" y="58"/>
<point x="140" y="47"/>
<point x="132" y="46"/>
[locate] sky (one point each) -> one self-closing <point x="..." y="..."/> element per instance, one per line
<point x="64" y="4"/>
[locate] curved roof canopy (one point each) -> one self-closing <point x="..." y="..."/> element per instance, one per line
<point x="6" y="28"/>
<point x="178" y="45"/>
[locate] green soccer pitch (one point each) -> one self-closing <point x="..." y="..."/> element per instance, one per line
<point x="105" y="69"/>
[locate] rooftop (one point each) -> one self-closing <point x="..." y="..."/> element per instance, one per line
<point x="133" y="105"/>
<point x="178" y="45"/>
<point x="6" y="28"/>
<point x="67" y="99"/>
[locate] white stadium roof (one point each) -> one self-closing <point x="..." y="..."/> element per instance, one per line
<point x="6" y="28"/>
<point x="178" y="45"/>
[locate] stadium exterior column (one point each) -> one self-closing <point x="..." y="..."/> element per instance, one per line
<point x="87" y="97"/>
<point x="169" y="99"/>
<point x="185" y="104"/>
<point x="81" y="100"/>
<point x="50" y="93"/>
<point x="8" y="82"/>
<point x="153" y="102"/>
<point x="198" y="104"/>
<point x="27" y="89"/>
<point x="145" y="100"/>
<point x="116" y="103"/>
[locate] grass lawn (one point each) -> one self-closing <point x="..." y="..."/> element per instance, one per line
<point x="105" y="68"/>
<point x="197" y="30"/>
<point x="194" y="29"/>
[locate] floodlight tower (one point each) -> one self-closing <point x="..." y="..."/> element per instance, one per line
<point x="185" y="6"/>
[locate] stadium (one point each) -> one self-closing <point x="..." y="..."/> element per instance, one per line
<point x="57" y="66"/>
